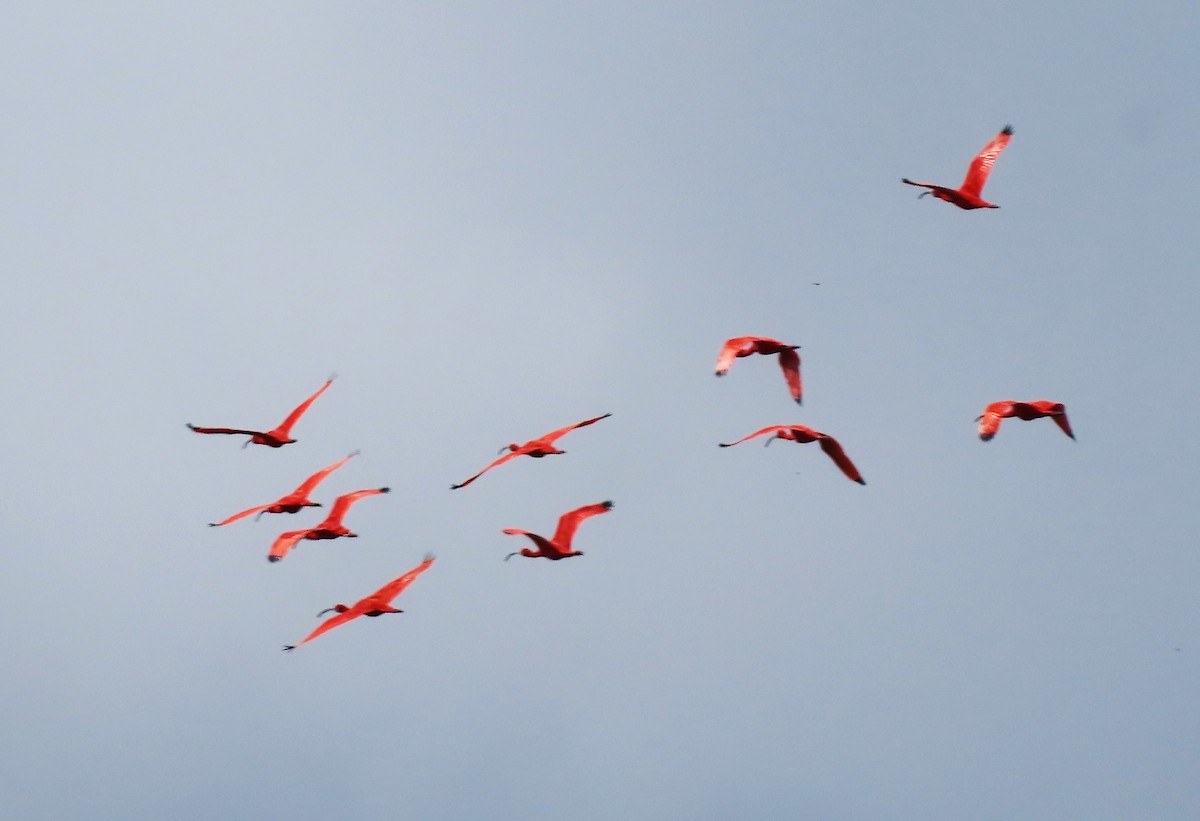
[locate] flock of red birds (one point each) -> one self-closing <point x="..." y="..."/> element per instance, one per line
<point x="967" y="196"/>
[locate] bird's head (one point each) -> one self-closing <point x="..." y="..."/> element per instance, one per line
<point x="337" y="608"/>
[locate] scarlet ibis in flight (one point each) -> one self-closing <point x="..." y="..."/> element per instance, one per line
<point x="537" y="448"/>
<point x="331" y="528"/>
<point x="295" y="500"/>
<point x="799" y="433"/>
<point x="989" y="422"/>
<point x="789" y="360"/>
<point x="376" y="604"/>
<point x="968" y="195"/>
<point x="558" y="546"/>
<point x="276" y="438"/>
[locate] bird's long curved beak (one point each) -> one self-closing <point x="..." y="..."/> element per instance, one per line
<point x="510" y="555"/>
<point x="924" y="194"/>
<point x="327" y="610"/>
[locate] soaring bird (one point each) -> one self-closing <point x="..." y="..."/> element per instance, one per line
<point x="292" y="502"/>
<point x="989" y="422"/>
<point x="968" y="195"/>
<point x="537" y="448"/>
<point x="789" y="360"/>
<point x="331" y="528"/>
<point x="558" y="546"/>
<point x="799" y="433"/>
<point x="276" y="438"/>
<point x="376" y="604"/>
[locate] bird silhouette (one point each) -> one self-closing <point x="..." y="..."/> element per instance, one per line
<point x="331" y="528"/>
<point x="989" y="422"/>
<point x="799" y="433"/>
<point x="968" y="196"/>
<point x="789" y="360"/>
<point x="276" y="438"/>
<point x="376" y="604"/>
<point x="292" y="502"/>
<point x="559" y="545"/>
<point x="537" y="448"/>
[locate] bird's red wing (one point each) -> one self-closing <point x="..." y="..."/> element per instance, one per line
<point x="284" y="543"/>
<point x="329" y="624"/>
<point x="833" y="449"/>
<point x="729" y="352"/>
<point x="318" y="477"/>
<point x="789" y="363"/>
<point x="989" y="423"/>
<point x="393" y="588"/>
<point x="1060" y="419"/>
<point x="237" y="516"/>
<point x="543" y="544"/>
<point x="284" y="429"/>
<point x="512" y="454"/>
<point x="981" y="166"/>
<point x="568" y="523"/>
<point x="550" y="437"/>
<point x="342" y="503"/>
<point x="226" y="430"/>
<point x="771" y="429"/>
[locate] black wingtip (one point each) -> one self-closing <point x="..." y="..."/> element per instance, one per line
<point x="607" y="505"/>
<point x="724" y="445"/>
<point x="1006" y="130"/>
<point x="213" y="524"/>
<point x="429" y="557"/>
<point x="272" y="559"/>
<point x="861" y="481"/>
<point x="287" y="648"/>
<point x="455" y="487"/>
<point x="385" y="490"/>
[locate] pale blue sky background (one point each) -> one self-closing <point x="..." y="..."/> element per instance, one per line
<point x="493" y="220"/>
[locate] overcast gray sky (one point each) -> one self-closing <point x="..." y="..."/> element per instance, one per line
<point x="493" y="220"/>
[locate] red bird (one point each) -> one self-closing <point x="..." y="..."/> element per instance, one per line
<point x="559" y="547"/>
<point x="537" y="448"/>
<point x="799" y="433"/>
<point x="331" y="528"/>
<point x="295" y="500"/>
<point x="789" y="360"/>
<point x="273" y="438"/>
<point x="968" y="196"/>
<point x="376" y="604"/>
<point x="989" y="423"/>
